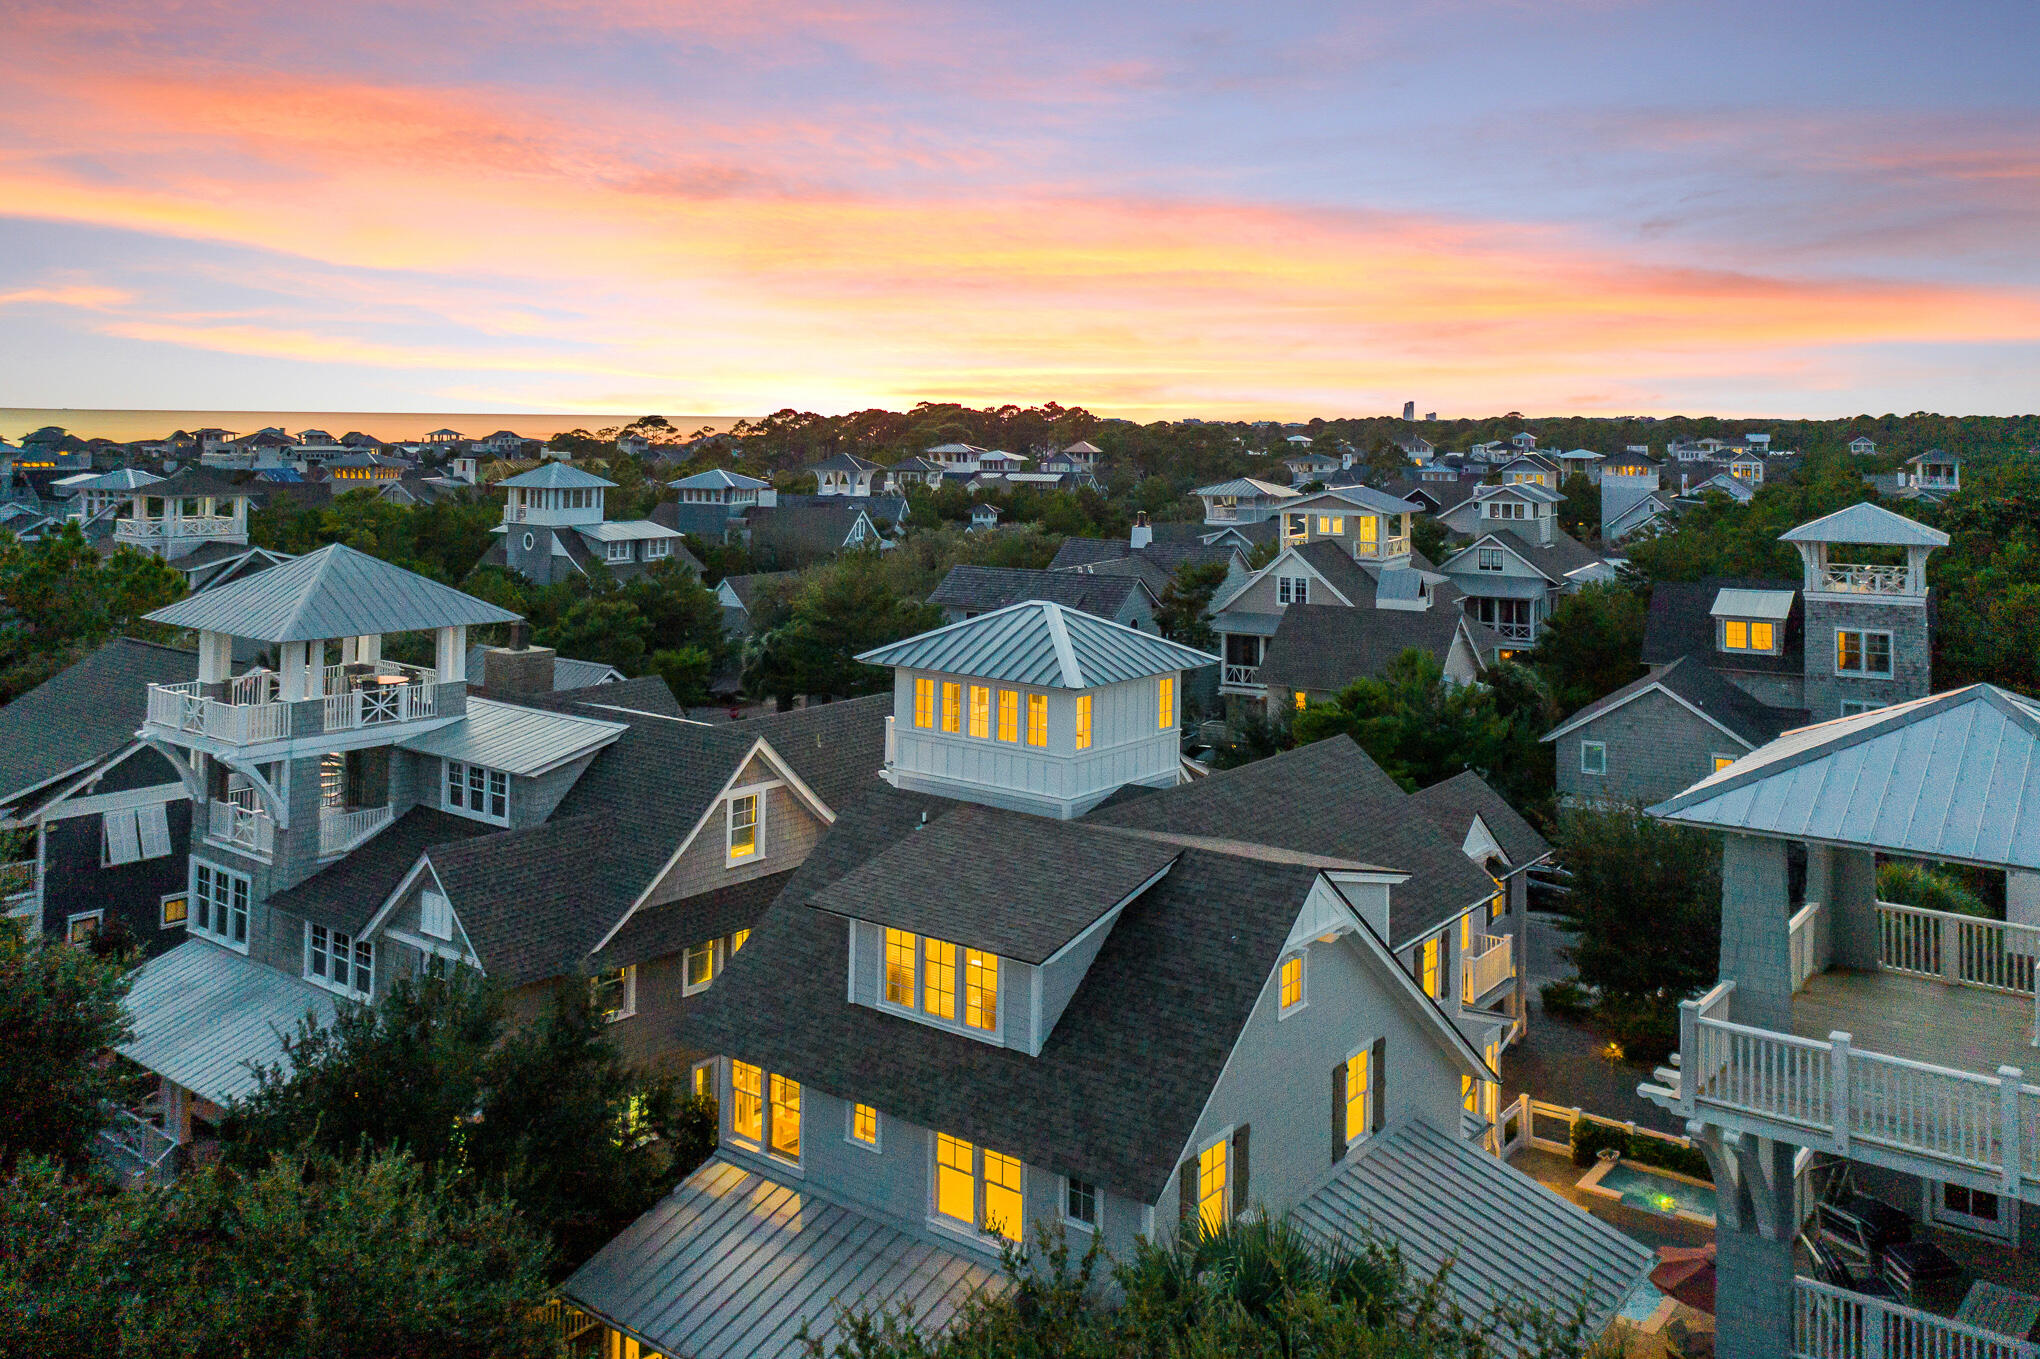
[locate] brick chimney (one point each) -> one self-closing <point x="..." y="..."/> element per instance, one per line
<point x="519" y="668"/>
<point x="1143" y="533"/>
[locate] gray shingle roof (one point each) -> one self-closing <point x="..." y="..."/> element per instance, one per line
<point x="333" y="592"/>
<point x="84" y="712"/>
<point x="1681" y="623"/>
<point x="1558" y="559"/>
<point x="1691" y="679"/>
<point x="663" y="930"/>
<point x="200" y="481"/>
<point x="984" y="588"/>
<point x="940" y="880"/>
<point x="1456" y="801"/>
<point x="1042" y="644"/>
<point x="846" y="462"/>
<point x="1327" y="646"/>
<point x="345" y="895"/>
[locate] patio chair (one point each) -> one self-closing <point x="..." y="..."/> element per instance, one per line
<point x="1831" y="1268"/>
<point x="1910" y="1265"/>
<point x="1862" y="1226"/>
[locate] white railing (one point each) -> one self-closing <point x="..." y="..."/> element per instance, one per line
<point x="340" y="831"/>
<point x="891" y="743"/>
<point x="375" y="704"/>
<point x="151" y="530"/>
<point x="237" y="820"/>
<point x="1242" y="674"/>
<point x="1833" y="1323"/>
<point x="1386" y="547"/>
<point x="1865" y="580"/>
<point x="1759" y="1071"/>
<point x="1809" y="954"/>
<point x="136" y="1150"/>
<point x="185" y="708"/>
<point x="1492" y="963"/>
<point x="19" y="878"/>
<point x="1516" y="632"/>
<point x="1963" y="950"/>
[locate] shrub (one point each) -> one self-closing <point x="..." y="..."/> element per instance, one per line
<point x="1590" y="1139"/>
<point x="1914" y="884"/>
<point x="1646" y="1027"/>
<point x="1566" y="999"/>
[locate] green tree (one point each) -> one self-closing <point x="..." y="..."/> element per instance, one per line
<point x="1184" y="610"/>
<point x="679" y="612"/>
<point x="1645" y="903"/>
<point x="1591" y="645"/>
<point x="307" y="1254"/>
<point x="59" y="599"/>
<point x="61" y="1009"/>
<point x="603" y="628"/>
<point x="1428" y="537"/>
<point x="843" y="611"/>
<point x="1580" y="513"/>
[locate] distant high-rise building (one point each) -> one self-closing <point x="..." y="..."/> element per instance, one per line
<point x="1409" y="410"/>
<point x="1430" y="415"/>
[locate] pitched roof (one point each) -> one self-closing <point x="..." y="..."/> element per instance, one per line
<point x="1954" y="776"/>
<point x="1365" y="497"/>
<point x="514" y="738"/>
<point x="1040" y="643"/>
<point x="1866" y="523"/>
<point x="85" y="712"/>
<point x="664" y="930"/>
<point x="208" y="1018"/>
<point x="199" y="481"/>
<point x="1246" y="486"/>
<point x="1563" y="556"/>
<point x="333" y="592"/>
<point x="1680" y="622"/>
<point x="1318" y="647"/>
<point x="984" y="588"/>
<point x="555" y="475"/>
<point x="717" y="479"/>
<point x="746" y="586"/>
<point x="846" y="462"/>
<point x="821" y="528"/>
<point x="1692" y="682"/>
<point x="1454" y="803"/>
<point x="939" y="880"/>
<point x="345" y="894"/>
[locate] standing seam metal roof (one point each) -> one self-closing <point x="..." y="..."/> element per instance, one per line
<point x="515" y="739"/>
<point x="555" y="476"/>
<point x="207" y="1018"/>
<point x="1043" y="644"/>
<point x="334" y="592"/>
<point x="1866" y="523"/>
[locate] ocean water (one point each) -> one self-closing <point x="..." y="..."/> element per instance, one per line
<point x="392" y="426"/>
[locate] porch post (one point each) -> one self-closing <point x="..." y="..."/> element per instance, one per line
<point x="1852" y="914"/>
<point x="1756" y="934"/>
<point x="1756" y="1224"/>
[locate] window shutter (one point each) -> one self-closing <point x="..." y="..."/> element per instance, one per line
<point x="1377" y="1088"/>
<point x="1239" y="1170"/>
<point x="1338" y="1112"/>
<point x="123" y="841"/>
<point x="152" y="823"/>
<point x="1186" y="1190"/>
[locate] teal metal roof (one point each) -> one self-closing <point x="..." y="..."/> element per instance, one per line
<point x="334" y="592"/>
<point x="1043" y="644"/>
<point x="515" y="739"/>
<point x="1866" y="523"/>
<point x="555" y="476"/>
<point x="203" y="1015"/>
<point x="716" y="479"/>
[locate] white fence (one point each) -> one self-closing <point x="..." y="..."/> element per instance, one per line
<point x="1865" y="580"/>
<point x="135" y="1150"/>
<point x="184" y="707"/>
<point x="1809" y="943"/>
<point x="1533" y="1123"/>
<point x="1832" y="1323"/>
<point x="341" y="831"/>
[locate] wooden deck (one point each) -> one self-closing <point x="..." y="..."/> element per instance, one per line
<point x="1921" y="1020"/>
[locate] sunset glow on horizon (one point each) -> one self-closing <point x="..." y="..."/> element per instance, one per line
<point x="601" y="205"/>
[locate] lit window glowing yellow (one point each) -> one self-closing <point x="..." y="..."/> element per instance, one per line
<point x="1331" y="525"/>
<point x="955" y="1179"/>
<point x="1009" y="715"/>
<point x="1370" y="530"/>
<point x="1761" y="636"/>
<point x="1735" y="635"/>
<point x="1466" y="934"/>
<point x="980" y="711"/>
<point x="1212" y="1184"/>
<point x="899" y="967"/>
<point x="938" y="980"/>
<point x="1292" y="982"/>
<point x="924" y="703"/>
<point x="1302" y="700"/>
<point x="747" y="1107"/>
<point x="864" y="1124"/>
<point x="1430" y="966"/>
<point x="980" y="989"/>
<point x="1083" y="721"/>
<point x="952" y="706"/>
<point x="1004" y="1214"/>
<point x="1165" y="702"/>
<point x="743" y="826"/>
<point x="1037" y="719"/>
<point x="738" y="940"/>
<point x="786" y="1117"/>
<point x="1722" y="762"/>
<point x="1359" y="1067"/>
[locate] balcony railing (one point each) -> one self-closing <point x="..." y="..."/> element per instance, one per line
<point x="1492" y="962"/>
<point x="1865" y="580"/>
<point x="372" y="704"/>
<point x="238" y="820"/>
<point x="136" y="1150"/>
<point x="252" y="708"/>
<point x="341" y="829"/>
<point x="155" y="530"/>
<point x="1246" y="676"/>
<point x="1516" y="632"/>
<point x="185" y="708"/>
<point x="19" y="879"/>
<point x="1387" y="547"/>
<point x="1833" y="1323"/>
<point x="1963" y="950"/>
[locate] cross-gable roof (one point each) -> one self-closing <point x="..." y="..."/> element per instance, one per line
<point x="333" y="592"/>
<point x="84" y="713"/>
<point x="1362" y="497"/>
<point x="1040" y="643"/>
<point x="996" y="587"/>
<point x="1690" y="682"/>
<point x="1319" y="647"/>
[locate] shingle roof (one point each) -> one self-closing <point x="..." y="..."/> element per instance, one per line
<point x="1690" y="679"/>
<point x="1328" y="646"/>
<point x="746" y="586"/>
<point x="1167" y="557"/>
<point x="1866" y="523"/>
<point x="555" y="475"/>
<point x="346" y="894"/>
<point x="846" y="462"/>
<point x="1456" y="801"/>
<point x="1117" y="1088"/>
<point x="984" y="588"/>
<point x="817" y="528"/>
<point x="84" y="712"/>
<point x="1558" y="559"/>
<point x="199" y="481"/>
<point x="1043" y="644"/>
<point x="333" y="592"/>
<point x="1680" y="622"/>
<point x="939" y="880"/>
<point x="663" y="930"/>
<point x="1366" y="497"/>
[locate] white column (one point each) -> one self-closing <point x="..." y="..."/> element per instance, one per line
<point x="292" y="665"/>
<point x="215" y="657"/>
<point x="452" y="655"/>
<point x="348" y="647"/>
<point x="368" y="650"/>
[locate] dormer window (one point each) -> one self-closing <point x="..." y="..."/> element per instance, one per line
<point x="619" y="552"/>
<point x="924" y="703"/>
<point x="472" y="791"/>
<point x="1738" y="634"/>
<point x="921" y="975"/>
<point x="743" y="818"/>
<point x="339" y="962"/>
<point x="1009" y="715"/>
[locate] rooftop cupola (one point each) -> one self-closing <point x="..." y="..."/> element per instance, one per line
<point x="1036" y="708"/>
<point x="555" y="493"/>
<point x="1827" y="549"/>
<point x="175" y="516"/>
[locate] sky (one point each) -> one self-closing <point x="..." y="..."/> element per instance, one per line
<point x="1227" y="210"/>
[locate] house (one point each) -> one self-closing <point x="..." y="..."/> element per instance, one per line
<point x="105" y="493"/>
<point x="957" y="459"/>
<point x="1530" y="471"/>
<point x="502" y="442"/>
<point x="738" y="597"/>
<point x="1415" y="447"/>
<point x="1747" y="468"/>
<point x="1155" y="560"/>
<point x="1936" y="470"/>
<point x="1906" y="1032"/>
<point x="1156" y="1009"/>
<point x="366" y="821"/>
<point x="968" y="591"/>
<point x="712" y="502"/>
<point x="354" y="471"/>
<point x="1307" y="467"/>
<point x="984" y="515"/>
<point x="554" y="528"/>
<point x="1519" y="561"/>
<point x="106" y="819"/>
<point x="1369" y="524"/>
<point x="998" y="462"/>
<point x="798" y="530"/>
<point x="845" y="474"/>
<point x="176" y="516"/>
<point x="1078" y="462"/>
<point x="1580" y="462"/>
<point x="316" y="438"/>
<point x="1863" y="446"/>
<point x="1633" y="461"/>
<point x="1630" y="504"/>
<point x="444" y="436"/>
<point x="913" y="472"/>
<point x="1243" y="500"/>
<point x="1524" y="441"/>
<point x="1732" y="664"/>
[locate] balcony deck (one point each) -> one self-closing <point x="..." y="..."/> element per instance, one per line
<point x="1920" y="1019"/>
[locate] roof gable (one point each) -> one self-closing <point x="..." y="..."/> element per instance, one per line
<point x="333" y="592"/>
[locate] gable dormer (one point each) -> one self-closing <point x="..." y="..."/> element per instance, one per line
<point x="1035" y="707"/>
<point x="556" y="493"/>
<point x="1751" y="622"/>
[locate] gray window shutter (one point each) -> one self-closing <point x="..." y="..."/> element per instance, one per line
<point x="1186" y="1181"/>
<point x="1240" y="1199"/>
<point x="1377" y="1088"/>
<point x="1338" y="1113"/>
<point x="123" y="841"/>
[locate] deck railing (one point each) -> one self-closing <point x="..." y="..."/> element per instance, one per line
<point x="155" y="530"/>
<point x="1492" y="962"/>
<point x="185" y="708"/>
<point x="1833" y="1323"/>
<point x="342" y="830"/>
<point x="1963" y="950"/>
<point x="1808" y="955"/>
<point x="1865" y="580"/>
<point x="1246" y="675"/>
<point x="252" y="708"/>
<point x="239" y="820"/>
<point x="374" y="704"/>
<point x="135" y="1150"/>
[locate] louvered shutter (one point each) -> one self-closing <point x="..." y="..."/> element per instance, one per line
<point x="123" y="841"/>
<point x="1377" y="1086"/>
<point x="1186" y="1189"/>
<point x="152" y="824"/>
<point x="1240" y="1201"/>
<point x="1338" y="1112"/>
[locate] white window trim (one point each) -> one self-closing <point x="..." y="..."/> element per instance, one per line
<point x="224" y="938"/>
<point x="1303" y="998"/>
<point x="1856" y="707"/>
<point x="975" y="1233"/>
<point x="1097" y="1205"/>
<point x="996" y="1035"/>
<point x="74" y="918"/>
<point x="327" y="983"/>
<point x="1890" y="654"/>
<point x="877" y="1143"/>
<point x="1714" y="759"/>
<point x="489" y="777"/>
<point x="165" y="900"/>
<point x="629" y="1008"/>
<point x="757" y="854"/>
<point x="1600" y="747"/>
<point x="1365" y="1050"/>
<point x="715" y="966"/>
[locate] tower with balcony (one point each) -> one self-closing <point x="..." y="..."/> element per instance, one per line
<point x="176" y="516"/>
<point x="1865" y="592"/>
<point x="289" y="762"/>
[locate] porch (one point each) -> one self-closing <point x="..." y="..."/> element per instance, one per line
<point x="257" y="706"/>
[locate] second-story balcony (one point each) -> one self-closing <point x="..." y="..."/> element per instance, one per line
<point x="1240" y="677"/>
<point x="1491" y="963"/>
<point x="239" y="821"/>
<point x="251" y="709"/>
<point x="152" y="532"/>
<point x="1841" y="578"/>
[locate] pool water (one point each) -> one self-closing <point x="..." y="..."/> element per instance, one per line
<point x="1642" y="1188"/>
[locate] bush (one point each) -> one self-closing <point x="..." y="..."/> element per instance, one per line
<point x="1566" y="1000"/>
<point x="1589" y="1139"/>
<point x="1913" y="884"/>
<point x="1646" y="1027"/>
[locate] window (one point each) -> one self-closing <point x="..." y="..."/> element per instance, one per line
<point x="981" y="989"/>
<point x="1009" y="715"/>
<point x="938" y="979"/>
<point x="1593" y="757"/>
<point x="1357" y="1096"/>
<point x="1428" y="970"/>
<point x="1005" y="1208"/>
<point x="1332" y="525"/>
<point x="657" y="547"/>
<point x="339" y="962"/>
<point x="1083" y="721"/>
<point x="952" y="706"/>
<point x="738" y="940"/>
<point x="747" y="1102"/>
<point x="863" y="1126"/>
<point x="1722" y="762"/>
<point x="1976" y="1209"/>
<point x="176" y="909"/>
<point x="1214" y="1187"/>
<point x="222" y="901"/>
<point x="619" y="552"/>
<point x="1506" y="509"/>
<point x="1291" y="983"/>
<point x="1302" y="700"/>
<point x="956" y="1179"/>
<point x="978" y="1188"/>
<point x="613" y="994"/>
<point x="786" y="1118"/>
<point x="435" y="915"/>
<point x="1370" y="530"/>
<point x="1080" y="1203"/>
<point x="1037" y="720"/>
<point x="980" y="712"/>
<point x="1489" y="559"/>
<point x="478" y="792"/>
<point x="924" y="703"/>
<point x="899" y="967"/>
<point x="1165" y="702"/>
<point x="83" y="928"/>
<point x="1292" y="589"/>
<point x="1762" y="636"/>
<point x="1296" y="525"/>
<point x="700" y="968"/>
<point x="1735" y="635"/>
<point x="1856" y="707"/>
<point x="743" y="826"/>
<point x="1862" y="653"/>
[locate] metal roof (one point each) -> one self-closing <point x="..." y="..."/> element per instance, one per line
<point x="1245" y="486"/>
<point x="1043" y="644"/>
<point x="1754" y="604"/>
<point x="1366" y="497"/>
<point x="208" y="1019"/>
<point x="119" y="479"/>
<point x="514" y="739"/>
<point x="334" y="592"/>
<point x="1866" y="523"/>
<point x="1953" y="776"/>
<point x="1445" y="1203"/>
<point x="625" y="530"/>
<point x="555" y="476"/>
<point x="716" y="479"/>
<point x="732" y="1265"/>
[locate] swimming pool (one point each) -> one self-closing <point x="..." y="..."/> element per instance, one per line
<point x="1652" y="1190"/>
